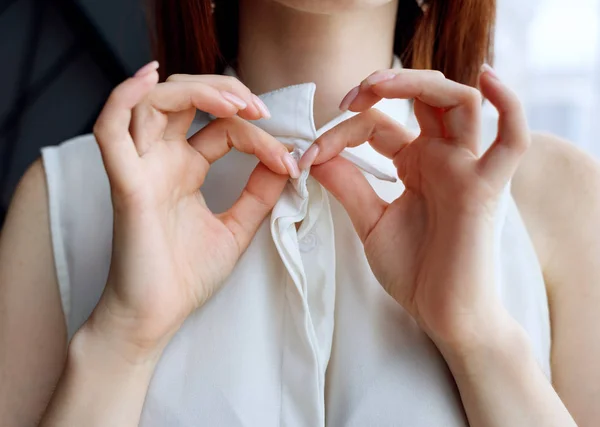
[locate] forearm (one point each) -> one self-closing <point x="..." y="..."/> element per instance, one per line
<point x="99" y="386"/>
<point x="501" y="384"/>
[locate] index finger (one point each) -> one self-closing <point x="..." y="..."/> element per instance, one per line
<point x="461" y="104"/>
<point x="382" y="132"/>
<point x="177" y="96"/>
<point x="218" y="137"/>
<point x="256" y="108"/>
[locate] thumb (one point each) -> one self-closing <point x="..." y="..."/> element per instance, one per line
<point x="112" y="126"/>
<point x="258" y="198"/>
<point x="350" y="187"/>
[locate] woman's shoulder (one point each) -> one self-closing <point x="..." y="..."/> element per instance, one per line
<point x="557" y="190"/>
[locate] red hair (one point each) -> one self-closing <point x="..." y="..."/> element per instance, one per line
<point x="454" y="37"/>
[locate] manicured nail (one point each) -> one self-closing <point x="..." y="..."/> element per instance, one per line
<point x="290" y="164"/>
<point x="147" y="69"/>
<point x="349" y="98"/>
<point x="264" y="111"/>
<point x="380" y="77"/>
<point x="486" y="68"/>
<point x="309" y="157"/>
<point x="235" y="100"/>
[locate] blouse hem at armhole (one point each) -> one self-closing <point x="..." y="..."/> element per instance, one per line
<point x="52" y="169"/>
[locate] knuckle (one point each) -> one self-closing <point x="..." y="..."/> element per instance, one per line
<point x="100" y="126"/>
<point x="102" y="132"/>
<point x="473" y="100"/>
<point x="261" y="201"/>
<point x="175" y="77"/>
<point x="374" y="73"/>
<point x="474" y="96"/>
<point x="97" y="131"/>
<point x="236" y="85"/>
<point x="231" y="80"/>
<point x="116" y="94"/>
<point x="513" y="102"/>
<point x="437" y="74"/>
<point x="374" y="121"/>
<point x="372" y="114"/>
<point x="276" y="151"/>
<point x="522" y="144"/>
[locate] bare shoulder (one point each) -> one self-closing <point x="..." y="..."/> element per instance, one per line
<point x="32" y="325"/>
<point x="557" y="190"/>
<point x="31" y="190"/>
<point x="27" y="220"/>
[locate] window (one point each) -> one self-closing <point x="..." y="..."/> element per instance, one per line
<point x="549" y="52"/>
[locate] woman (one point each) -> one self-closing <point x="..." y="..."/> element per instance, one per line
<point x="341" y="298"/>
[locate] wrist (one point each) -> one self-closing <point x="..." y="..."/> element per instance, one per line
<point x="100" y="385"/>
<point x="92" y="345"/>
<point x="498" y="340"/>
<point x="119" y="336"/>
<point x="500" y="381"/>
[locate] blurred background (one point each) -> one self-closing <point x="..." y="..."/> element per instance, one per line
<point x="60" y="59"/>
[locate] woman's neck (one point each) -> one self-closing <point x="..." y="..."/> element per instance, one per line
<point x="280" y="46"/>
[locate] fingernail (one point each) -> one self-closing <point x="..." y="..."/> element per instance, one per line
<point x="349" y="98"/>
<point x="309" y="157"/>
<point x="147" y="69"/>
<point x="235" y="100"/>
<point x="486" y="68"/>
<point x="290" y="164"/>
<point x="380" y="77"/>
<point x="264" y="111"/>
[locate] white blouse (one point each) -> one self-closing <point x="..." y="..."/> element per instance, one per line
<point x="301" y="334"/>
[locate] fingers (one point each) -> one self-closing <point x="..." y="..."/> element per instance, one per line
<point x="460" y="104"/>
<point x="258" y="198"/>
<point x="112" y="126"/>
<point x="178" y="124"/>
<point x="176" y="97"/>
<point x="147" y="126"/>
<point x="383" y="133"/>
<point x="221" y="135"/>
<point x="430" y="119"/>
<point x="255" y="110"/>
<point x="350" y="187"/>
<point x="501" y="160"/>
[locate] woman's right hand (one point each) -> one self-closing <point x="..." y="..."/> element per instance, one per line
<point x="170" y="252"/>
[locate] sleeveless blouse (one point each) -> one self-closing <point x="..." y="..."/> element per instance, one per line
<point x="301" y="333"/>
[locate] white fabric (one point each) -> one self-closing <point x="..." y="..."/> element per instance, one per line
<point x="301" y="334"/>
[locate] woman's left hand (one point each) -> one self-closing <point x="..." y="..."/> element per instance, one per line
<point x="432" y="249"/>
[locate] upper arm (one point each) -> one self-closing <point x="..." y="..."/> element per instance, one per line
<point x="557" y="189"/>
<point x="32" y="326"/>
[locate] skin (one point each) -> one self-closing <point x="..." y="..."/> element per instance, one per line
<point x="566" y="233"/>
<point x="445" y="221"/>
<point x="118" y="347"/>
<point x="334" y="46"/>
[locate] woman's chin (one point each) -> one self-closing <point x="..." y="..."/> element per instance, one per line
<point x="329" y="7"/>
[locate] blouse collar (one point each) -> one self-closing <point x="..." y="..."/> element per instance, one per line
<point x="292" y="122"/>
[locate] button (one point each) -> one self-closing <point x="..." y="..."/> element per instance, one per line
<point x="309" y="242"/>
